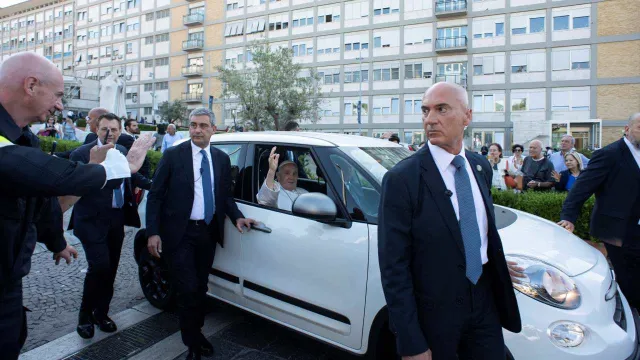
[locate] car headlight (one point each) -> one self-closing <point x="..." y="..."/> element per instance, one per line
<point x="546" y="283"/>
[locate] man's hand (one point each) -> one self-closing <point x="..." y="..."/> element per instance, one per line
<point x="567" y="225"/>
<point x="154" y="245"/>
<point x="273" y="160"/>
<point x="66" y="254"/>
<point x="138" y="151"/>
<point x="99" y="153"/>
<point x="516" y="272"/>
<point x="424" y="356"/>
<point x="245" y="222"/>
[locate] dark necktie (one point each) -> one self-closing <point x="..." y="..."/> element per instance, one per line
<point x="207" y="189"/>
<point x="468" y="221"/>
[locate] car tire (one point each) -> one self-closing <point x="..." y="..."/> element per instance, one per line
<point x="153" y="274"/>
<point x="384" y="348"/>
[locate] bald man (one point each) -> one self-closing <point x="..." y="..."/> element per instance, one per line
<point x="31" y="89"/>
<point x="537" y="170"/>
<point x="443" y="270"/>
<point x="92" y="123"/>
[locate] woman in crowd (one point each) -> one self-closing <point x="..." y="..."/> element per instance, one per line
<point x="566" y="179"/>
<point x="499" y="166"/>
<point x="514" y="162"/>
<point x="69" y="129"/>
<point x="50" y="128"/>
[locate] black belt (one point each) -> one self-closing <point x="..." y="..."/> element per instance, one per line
<point x="200" y="222"/>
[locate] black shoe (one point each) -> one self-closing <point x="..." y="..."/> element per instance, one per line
<point x="85" y="326"/>
<point x="104" y="322"/>
<point x="206" y="349"/>
<point x="193" y="355"/>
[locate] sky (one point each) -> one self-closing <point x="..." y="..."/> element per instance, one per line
<point x="7" y="3"/>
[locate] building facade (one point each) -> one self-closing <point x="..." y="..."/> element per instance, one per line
<point x="534" y="69"/>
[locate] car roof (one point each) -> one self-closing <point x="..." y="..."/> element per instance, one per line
<point x="303" y="138"/>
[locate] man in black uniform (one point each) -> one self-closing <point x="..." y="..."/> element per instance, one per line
<point x="31" y="88"/>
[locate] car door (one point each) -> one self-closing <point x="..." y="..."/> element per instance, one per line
<point x="304" y="273"/>
<point x="224" y="278"/>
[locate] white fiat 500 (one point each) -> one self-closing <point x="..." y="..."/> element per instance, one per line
<point x="315" y="269"/>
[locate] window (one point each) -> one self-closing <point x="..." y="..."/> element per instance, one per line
<point x="573" y="59"/>
<point x="147" y="110"/>
<point x="163" y="14"/>
<point x="561" y="23"/>
<point x="568" y="99"/>
<point x="255" y="25"/>
<point x="148" y="87"/>
<point x="149" y="17"/>
<point x="386" y="73"/>
<point x="518" y="104"/>
<point x="500" y="29"/>
<point x="162" y="61"/>
<point x="356" y="76"/>
<point x="302" y="50"/>
<point x="148" y="64"/>
<point x="523" y="101"/>
<point x="385" y="106"/>
<point x="162" y="38"/>
<point x="129" y="48"/>
<point x="387" y="8"/>
<point x="132" y="4"/>
<point x="412" y="106"/>
<point x="531" y="62"/>
<point x="377" y="42"/>
<point x="488" y="65"/>
<point x="581" y="22"/>
<point x="235" y="29"/>
<point x="536" y="25"/>
<point x="163" y="85"/>
<point x="148" y="40"/>
<point x="488" y="103"/>
<point x="329" y="76"/>
<point x="234" y="151"/>
<point x="518" y="31"/>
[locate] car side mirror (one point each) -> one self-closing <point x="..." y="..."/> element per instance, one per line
<point x="315" y="206"/>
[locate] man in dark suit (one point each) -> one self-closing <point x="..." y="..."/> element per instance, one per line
<point x="444" y="274"/>
<point x="186" y="209"/>
<point x="127" y="139"/>
<point x="98" y="220"/>
<point x="92" y="123"/>
<point x="613" y="176"/>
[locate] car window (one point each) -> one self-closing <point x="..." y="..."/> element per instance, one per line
<point x="309" y="176"/>
<point x="356" y="191"/>
<point x="234" y="151"/>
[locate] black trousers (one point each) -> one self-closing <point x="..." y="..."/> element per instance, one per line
<point x="189" y="267"/>
<point x="103" y="257"/>
<point x="479" y="335"/>
<point x="626" y="264"/>
<point x="13" y="321"/>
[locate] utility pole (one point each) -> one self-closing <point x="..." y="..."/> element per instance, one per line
<point x="360" y="93"/>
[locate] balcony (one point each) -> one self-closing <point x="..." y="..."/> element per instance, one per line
<point x="193" y="97"/>
<point x="460" y="79"/>
<point x="193" y="19"/>
<point x="453" y="43"/>
<point x="192" y="70"/>
<point x="446" y="8"/>
<point x="193" y="44"/>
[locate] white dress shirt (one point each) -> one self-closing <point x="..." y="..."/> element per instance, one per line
<point x="113" y="198"/>
<point x="197" y="210"/>
<point x="443" y="162"/>
<point x="278" y="197"/>
<point x="634" y="150"/>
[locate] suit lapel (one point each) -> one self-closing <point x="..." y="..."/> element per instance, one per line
<point x="627" y="156"/>
<point x="186" y="157"/>
<point x="481" y="181"/>
<point x="432" y="178"/>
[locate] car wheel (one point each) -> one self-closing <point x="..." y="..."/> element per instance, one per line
<point x="153" y="274"/>
<point x="382" y="346"/>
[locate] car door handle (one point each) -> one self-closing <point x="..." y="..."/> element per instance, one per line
<point x="261" y="227"/>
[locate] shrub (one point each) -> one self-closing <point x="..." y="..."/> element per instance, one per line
<point x="81" y="122"/>
<point x="547" y="205"/>
<point x="63" y="145"/>
<point x="146" y="127"/>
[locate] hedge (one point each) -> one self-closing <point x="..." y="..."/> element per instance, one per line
<point x="64" y="145"/>
<point x="547" y="205"/>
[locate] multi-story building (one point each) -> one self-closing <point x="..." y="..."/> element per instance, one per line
<point x="532" y="68"/>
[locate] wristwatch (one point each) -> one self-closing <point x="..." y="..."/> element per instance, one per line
<point x="538" y="184"/>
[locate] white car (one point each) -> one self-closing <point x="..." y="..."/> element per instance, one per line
<point x="315" y="270"/>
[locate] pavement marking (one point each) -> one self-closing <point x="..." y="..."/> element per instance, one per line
<point x="72" y="342"/>
<point x="172" y="346"/>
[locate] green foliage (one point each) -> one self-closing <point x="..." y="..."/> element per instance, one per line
<point x="547" y="205"/>
<point x="274" y="91"/>
<point x="146" y="127"/>
<point x="81" y="123"/>
<point x="586" y="152"/>
<point x="64" y="145"/>
<point x="173" y="112"/>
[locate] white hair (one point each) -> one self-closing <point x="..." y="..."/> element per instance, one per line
<point x="203" y="111"/>
<point x="537" y="141"/>
<point x="171" y="126"/>
<point x="573" y="140"/>
<point x="634" y="117"/>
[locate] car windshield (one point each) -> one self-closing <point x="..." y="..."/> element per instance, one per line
<point x="377" y="160"/>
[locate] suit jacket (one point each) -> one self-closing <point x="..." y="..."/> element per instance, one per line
<point x="614" y="177"/>
<point x="87" y="218"/>
<point x="170" y="200"/>
<point x="127" y="141"/>
<point x="421" y="253"/>
<point x="91" y="137"/>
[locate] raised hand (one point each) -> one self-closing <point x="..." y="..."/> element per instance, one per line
<point x="273" y="160"/>
<point x="99" y="153"/>
<point x="138" y="151"/>
<point x="556" y="175"/>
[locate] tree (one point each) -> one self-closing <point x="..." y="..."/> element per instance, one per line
<point x="172" y="112"/>
<point x="274" y="91"/>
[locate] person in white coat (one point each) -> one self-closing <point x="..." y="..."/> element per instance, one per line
<point x="499" y="166"/>
<point x="283" y="193"/>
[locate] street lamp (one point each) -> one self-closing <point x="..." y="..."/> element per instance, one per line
<point x="233" y="113"/>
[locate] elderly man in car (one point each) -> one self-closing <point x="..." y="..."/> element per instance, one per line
<point x="283" y="193"/>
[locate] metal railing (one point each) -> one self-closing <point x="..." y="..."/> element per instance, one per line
<point x="192" y="70"/>
<point x="192" y="44"/>
<point x="451" y="6"/>
<point x="192" y="97"/>
<point x="460" y="79"/>
<point x="453" y="42"/>
<point x="195" y="18"/>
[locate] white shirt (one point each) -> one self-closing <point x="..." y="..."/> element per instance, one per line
<point x="443" y="162"/>
<point x="197" y="210"/>
<point x="278" y="197"/>
<point x="113" y="198"/>
<point x="634" y="150"/>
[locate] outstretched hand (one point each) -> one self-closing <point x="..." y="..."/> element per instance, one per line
<point x="273" y="160"/>
<point x="138" y="151"/>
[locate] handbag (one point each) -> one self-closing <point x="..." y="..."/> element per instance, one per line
<point x="509" y="180"/>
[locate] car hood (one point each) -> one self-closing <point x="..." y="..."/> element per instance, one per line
<point x="532" y="236"/>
